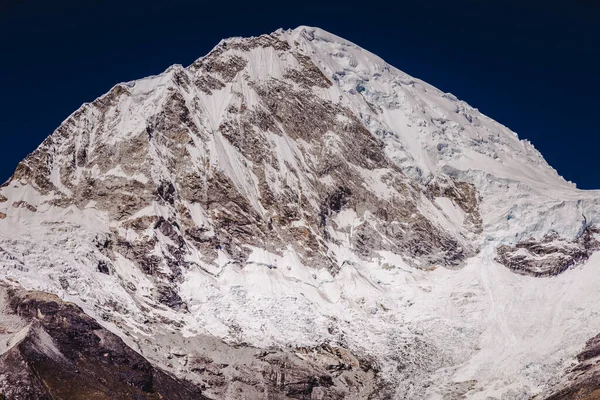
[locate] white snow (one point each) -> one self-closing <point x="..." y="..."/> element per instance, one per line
<point x="454" y="213"/>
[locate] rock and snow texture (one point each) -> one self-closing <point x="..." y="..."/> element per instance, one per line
<point x="52" y="350"/>
<point x="294" y="193"/>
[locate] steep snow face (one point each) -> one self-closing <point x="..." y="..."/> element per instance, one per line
<point x="294" y="190"/>
<point x="430" y="133"/>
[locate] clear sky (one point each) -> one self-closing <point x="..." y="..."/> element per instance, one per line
<point x="534" y="66"/>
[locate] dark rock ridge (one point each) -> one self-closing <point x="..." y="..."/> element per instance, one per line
<point x="52" y="350"/>
<point x="582" y="381"/>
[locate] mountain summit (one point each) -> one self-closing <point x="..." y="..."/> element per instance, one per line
<point x="292" y="217"/>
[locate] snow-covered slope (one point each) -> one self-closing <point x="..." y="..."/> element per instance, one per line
<point x="294" y="191"/>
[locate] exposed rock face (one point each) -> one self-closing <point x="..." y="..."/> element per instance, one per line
<point x="50" y="344"/>
<point x="551" y="255"/>
<point x="52" y="349"/>
<point x="291" y="217"/>
<point x="583" y="380"/>
<point x="241" y="372"/>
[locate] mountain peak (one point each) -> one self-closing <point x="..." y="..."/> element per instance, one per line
<point x="294" y="193"/>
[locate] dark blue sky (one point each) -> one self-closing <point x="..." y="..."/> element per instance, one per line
<point x="534" y="66"/>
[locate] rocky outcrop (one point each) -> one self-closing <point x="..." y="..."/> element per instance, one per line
<point x="549" y="256"/>
<point x="582" y="381"/>
<point x="465" y="195"/>
<point x="241" y="371"/>
<point x="49" y="344"/>
<point x="52" y="349"/>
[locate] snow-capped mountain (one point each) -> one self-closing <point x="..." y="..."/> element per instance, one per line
<point x="292" y="217"/>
